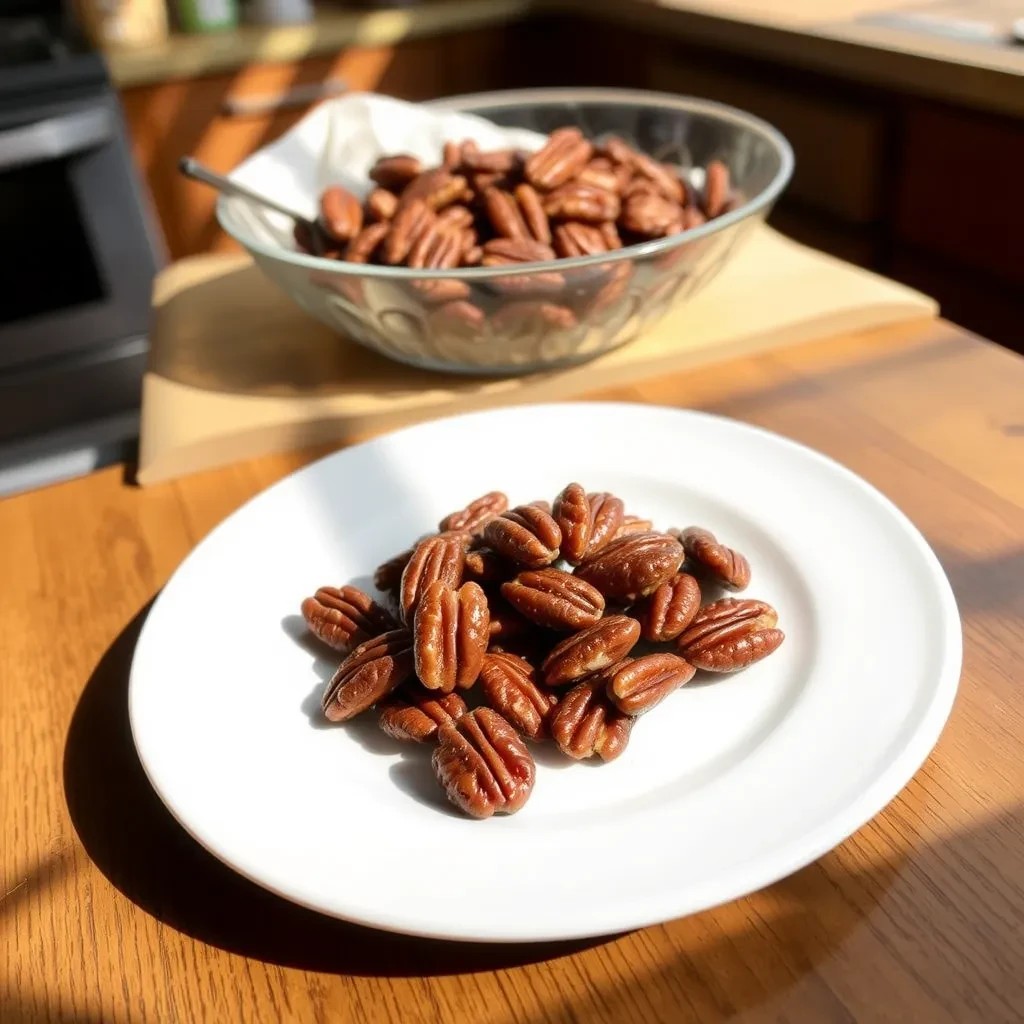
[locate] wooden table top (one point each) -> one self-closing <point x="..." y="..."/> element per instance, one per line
<point x="110" y="913"/>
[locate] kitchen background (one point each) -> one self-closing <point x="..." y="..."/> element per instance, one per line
<point x="907" y="120"/>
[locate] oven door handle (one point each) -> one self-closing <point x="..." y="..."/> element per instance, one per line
<point x="54" y="138"/>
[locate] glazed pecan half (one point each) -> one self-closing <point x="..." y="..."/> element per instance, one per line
<point x="650" y="215"/>
<point x="606" y="515"/>
<point x="368" y="674"/>
<point x="730" y="634"/>
<point x="586" y="723"/>
<point x="561" y="158"/>
<point x="716" y="188"/>
<point x="526" y="535"/>
<point x="440" y="557"/>
<point x="341" y="216"/>
<point x="476" y="514"/>
<point x="633" y="565"/>
<point x="450" y="635"/>
<point x="554" y="599"/>
<point x="573" y="514"/>
<point x="405" y="229"/>
<point x="483" y="764"/>
<point x="713" y="559"/>
<point x="532" y="211"/>
<point x="605" y="643"/>
<point x="509" y="685"/>
<point x="416" y="714"/>
<point x="637" y="685"/>
<point x="666" y="612"/>
<point x="344" y="617"/>
<point x="395" y="172"/>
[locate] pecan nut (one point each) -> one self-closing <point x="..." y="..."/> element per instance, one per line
<point x="364" y="246"/>
<point x="639" y="684"/>
<point x="483" y="765"/>
<point x="554" y="599"/>
<point x="450" y="635"/>
<point x="532" y="210"/>
<point x="610" y="233"/>
<point x="586" y="723"/>
<point x="561" y="158"/>
<point x="395" y="172"/>
<point x="440" y="557"/>
<point x="650" y="215"/>
<point x="618" y="151"/>
<point x="344" y="617"/>
<point x="574" y="516"/>
<point x="600" y="173"/>
<point x="716" y="188"/>
<point x="436" y="248"/>
<point x="415" y="714"/>
<point x="341" y="216"/>
<point x="526" y="535"/>
<point x="713" y="559"/>
<point x="437" y="189"/>
<point x="577" y="239"/>
<point x="500" y="252"/>
<point x="662" y="177"/>
<point x="634" y="524"/>
<point x="448" y="292"/>
<point x="634" y="565"/>
<point x="510" y="687"/>
<point x="476" y="514"/>
<point x="503" y="213"/>
<point x="596" y="647"/>
<point x="495" y="161"/>
<point x="405" y="229"/>
<point x="455" y="217"/>
<point x="606" y="515"/>
<point x="582" y="203"/>
<point x="669" y="609"/>
<point x="381" y="204"/>
<point x="730" y="634"/>
<point x="368" y="674"/>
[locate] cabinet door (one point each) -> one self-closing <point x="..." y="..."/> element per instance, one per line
<point x="221" y="119"/>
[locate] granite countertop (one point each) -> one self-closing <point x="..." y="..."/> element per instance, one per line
<point x="890" y="43"/>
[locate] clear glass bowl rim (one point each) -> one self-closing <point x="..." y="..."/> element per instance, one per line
<point x="480" y="102"/>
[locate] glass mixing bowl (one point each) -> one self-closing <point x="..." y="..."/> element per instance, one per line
<point x="530" y="317"/>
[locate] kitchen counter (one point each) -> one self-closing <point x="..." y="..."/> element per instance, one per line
<point x="188" y="56"/>
<point x="111" y="912"/>
<point x="853" y="39"/>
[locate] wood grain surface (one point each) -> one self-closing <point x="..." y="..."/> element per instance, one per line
<point x="110" y="913"/>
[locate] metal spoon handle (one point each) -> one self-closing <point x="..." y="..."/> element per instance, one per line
<point x="192" y="168"/>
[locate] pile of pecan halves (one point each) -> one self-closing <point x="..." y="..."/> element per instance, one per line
<point x="532" y="613"/>
<point x="501" y="207"/>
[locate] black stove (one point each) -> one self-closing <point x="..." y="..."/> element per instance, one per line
<point x="82" y="247"/>
<point x="43" y="49"/>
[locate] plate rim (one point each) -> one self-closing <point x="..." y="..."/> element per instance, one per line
<point x="786" y="857"/>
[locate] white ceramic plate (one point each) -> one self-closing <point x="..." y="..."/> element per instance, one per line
<point x="724" y="788"/>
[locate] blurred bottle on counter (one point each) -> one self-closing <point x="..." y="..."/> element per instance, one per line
<point x="206" y="15"/>
<point x="123" y="24"/>
<point x="279" y="12"/>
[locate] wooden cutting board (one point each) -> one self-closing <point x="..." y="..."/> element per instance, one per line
<point x="237" y="370"/>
